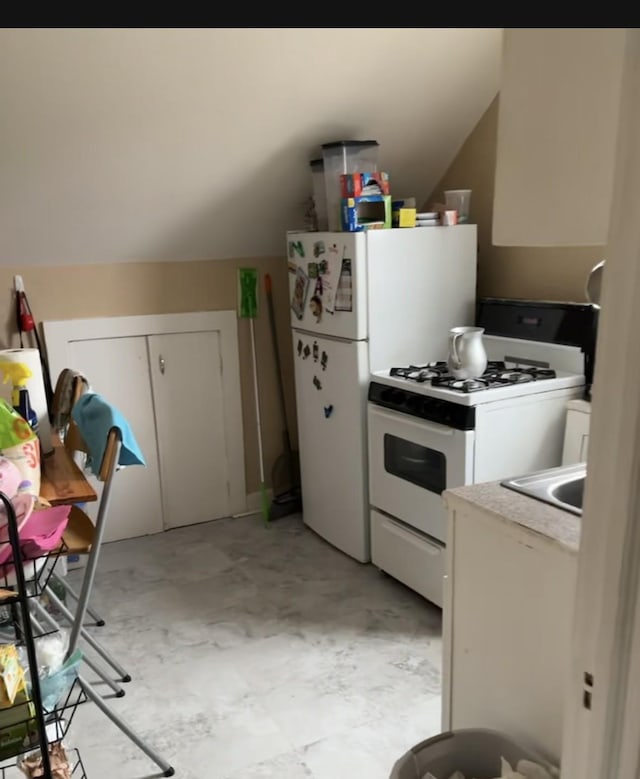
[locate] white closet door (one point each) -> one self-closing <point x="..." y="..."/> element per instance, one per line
<point x="118" y="369"/>
<point x="186" y="375"/>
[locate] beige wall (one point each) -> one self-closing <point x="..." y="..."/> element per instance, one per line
<point x="115" y="149"/>
<point x="508" y="271"/>
<point x="67" y="292"/>
<point x="139" y="164"/>
<point x="150" y="144"/>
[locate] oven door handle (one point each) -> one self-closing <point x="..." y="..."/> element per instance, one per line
<point x="407" y="419"/>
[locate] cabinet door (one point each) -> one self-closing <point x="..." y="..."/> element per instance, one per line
<point x="557" y="130"/>
<point x="186" y="376"/>
<point x="507" y="633"/>
<point x="118" y="369"/>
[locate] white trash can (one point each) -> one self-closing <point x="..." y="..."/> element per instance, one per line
<point x="474" y="751"/>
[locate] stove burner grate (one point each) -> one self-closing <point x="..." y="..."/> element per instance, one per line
<point x="421" y="373"/>
<point x="496" y="375"/>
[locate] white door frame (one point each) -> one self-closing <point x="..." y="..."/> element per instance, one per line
<point x="60" y="334"/>
<point x="601" y="737"/>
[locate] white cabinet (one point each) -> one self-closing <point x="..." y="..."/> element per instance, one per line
<point x="176" y="380"/>
<point x="118" y="368"/>
<point x="557" y="130"/>
<point x="190" y="426"/>
<point x="508" y="616"/>
<point x="576" y="434"/>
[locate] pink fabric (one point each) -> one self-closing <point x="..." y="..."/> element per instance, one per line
<point x="43" y="530"/>
<point x="23" y="503"/>
<point x="39" y="533"/>
<point x="10" y="478"/>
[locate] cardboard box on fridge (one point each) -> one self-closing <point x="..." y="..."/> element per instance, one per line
<point x="364" y="184"/>
<point x="366" y="213"/>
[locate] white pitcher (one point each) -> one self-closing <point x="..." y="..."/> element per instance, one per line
<point x="467" y="357"/>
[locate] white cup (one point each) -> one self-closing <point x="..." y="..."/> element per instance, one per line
<point x="459" y="199"/>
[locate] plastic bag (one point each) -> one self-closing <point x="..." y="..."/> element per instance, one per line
<point x="31" y="765"/>
<point x="55" y="686"/>
<point x="50" y="652"/>
<point x="19" y="443"/>
<point x="525" y="769"/>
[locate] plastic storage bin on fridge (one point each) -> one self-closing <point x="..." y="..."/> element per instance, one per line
<point x="319" y="193"/>
<point x="344" y="157"/>
<point x="476" y="752"/>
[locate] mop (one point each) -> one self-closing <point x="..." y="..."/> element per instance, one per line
<point x="248" y="309"/>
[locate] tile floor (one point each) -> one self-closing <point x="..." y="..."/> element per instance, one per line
<point x="259" y="652"/>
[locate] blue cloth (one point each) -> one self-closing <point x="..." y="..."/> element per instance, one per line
<point x="95" y="417"/>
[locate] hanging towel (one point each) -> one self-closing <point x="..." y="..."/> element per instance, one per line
<point x="63" y="397"/>
<point x="95" y="417"/>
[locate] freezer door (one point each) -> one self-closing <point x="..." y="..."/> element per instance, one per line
<point x="331" y="382"/>
<point x="328" y="283"/>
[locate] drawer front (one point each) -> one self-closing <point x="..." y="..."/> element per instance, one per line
<point x="413" y="559"/>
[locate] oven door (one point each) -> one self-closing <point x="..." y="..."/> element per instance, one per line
<point x="411" y="463"/>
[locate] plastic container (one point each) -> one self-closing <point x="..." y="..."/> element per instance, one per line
<point x="344" y="157"/>
<point x="319" y="193"/>
<point x="25" y="409"/>
<point x="476" y="752"/>
<point x="460" y="200"/>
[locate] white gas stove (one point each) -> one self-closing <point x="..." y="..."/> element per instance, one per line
<point x="429" y="432"/>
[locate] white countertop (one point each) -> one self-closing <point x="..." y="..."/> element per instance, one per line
<point x="559" y="526"/>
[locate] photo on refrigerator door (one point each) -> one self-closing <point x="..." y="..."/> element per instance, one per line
<point x="322" y="298"/>
<point x="344" y="292"/>
<point x="300" y="289"/>
<point x="315" y="304"/>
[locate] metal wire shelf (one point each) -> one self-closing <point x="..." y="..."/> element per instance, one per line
<point x="37" y="571"/>
<point x="57" y="723"/>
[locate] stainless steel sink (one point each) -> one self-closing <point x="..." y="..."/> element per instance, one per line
<point x="562" y="487"/>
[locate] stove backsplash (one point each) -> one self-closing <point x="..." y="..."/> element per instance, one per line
<point x="570" y="324"/>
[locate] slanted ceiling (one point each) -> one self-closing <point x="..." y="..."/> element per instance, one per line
<point x="122" y="145"/>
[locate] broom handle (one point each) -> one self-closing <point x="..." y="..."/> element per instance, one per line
<point x="274" y="338"/>
<point x="255" y="390"/>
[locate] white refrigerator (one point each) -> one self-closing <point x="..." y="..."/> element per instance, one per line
<point x="362" y="302"/>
